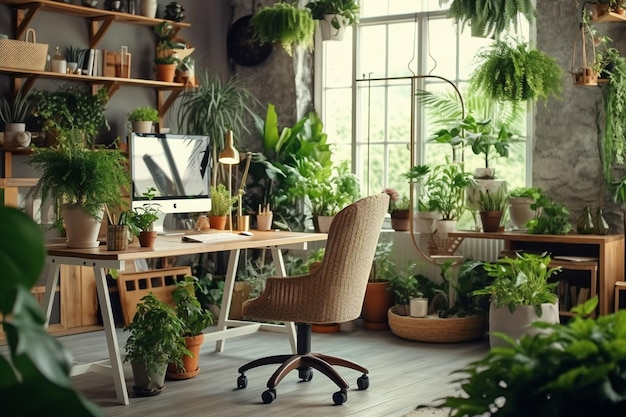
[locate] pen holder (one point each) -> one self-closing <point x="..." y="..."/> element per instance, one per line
<point x="117" y="237"/>
<point x="243" y="223"/>
<point x="264" y="222"/>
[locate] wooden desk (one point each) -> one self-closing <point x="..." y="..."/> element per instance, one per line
<point x="100" y="259"/>
<point x="609" y="249"/>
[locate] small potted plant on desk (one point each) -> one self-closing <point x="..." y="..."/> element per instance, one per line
<point x="141" y="221"/>
<point x="492" y="205"/>
<point x="195" y="319"/>
<point x="142" y="119"/>
<point x="156" y="339"/>
<point x="221" y="206"/>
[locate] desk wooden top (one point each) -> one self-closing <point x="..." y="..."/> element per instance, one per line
<point x="527" y="237"/>
<point x="171" y="245"/>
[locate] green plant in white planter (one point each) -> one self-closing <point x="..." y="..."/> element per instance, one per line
<point x="334" y="16"/>
<point x="521" y="292"/>
<point x="142" y="118"/>
<point x="14" y="112"/>
<point x="520" y="201"/>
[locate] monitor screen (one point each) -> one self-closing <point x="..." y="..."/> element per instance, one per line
<point x="178" y="167"/>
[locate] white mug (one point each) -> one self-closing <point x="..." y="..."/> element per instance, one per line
<point x="23" y="139"/>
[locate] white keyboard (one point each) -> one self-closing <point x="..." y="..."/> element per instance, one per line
<point x="213" y="237"/>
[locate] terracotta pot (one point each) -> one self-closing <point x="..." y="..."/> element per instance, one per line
<point x="321" y="224"/>
<point x="325" y="328"/>
<point x="378" y="299"/>
<point x="146" y="239"/>
<point x="490" y="220"/>
<point x="165" y="72"/>
<point x="190" y="363"/>
<point x="400" y="221"/>
<point x="218" y="222"/>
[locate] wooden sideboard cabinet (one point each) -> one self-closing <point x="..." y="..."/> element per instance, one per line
<point x="608" y="249"/>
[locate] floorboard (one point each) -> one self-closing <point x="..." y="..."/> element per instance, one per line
<point x="403" y="374"/>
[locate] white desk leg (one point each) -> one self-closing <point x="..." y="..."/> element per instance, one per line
<point x="111" y="336"/>
<point x="279" y="264"/>
<point x="51" y="272"/>
<point x="229" y="283"/>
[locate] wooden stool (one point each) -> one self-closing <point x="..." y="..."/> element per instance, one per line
<point x="619" y="286"/>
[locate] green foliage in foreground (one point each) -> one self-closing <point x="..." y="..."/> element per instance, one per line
<point x="576" y="370"/>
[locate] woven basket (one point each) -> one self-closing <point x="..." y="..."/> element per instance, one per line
<point x="433" y="329"/>
<point x="23" y="55"/>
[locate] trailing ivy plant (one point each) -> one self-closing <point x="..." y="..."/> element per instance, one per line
<point x="489" y="18"/>
<point x="514" y="71"/>
<point x="613" y="140"/>
<point x="573" y="370"/>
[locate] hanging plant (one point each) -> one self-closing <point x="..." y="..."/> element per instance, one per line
<point x="509" y="71"/>
<point x="285" y="24"/>
<point x="489" y="18"/>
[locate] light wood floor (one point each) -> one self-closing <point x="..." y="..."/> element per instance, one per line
<point x="403" y="374"/>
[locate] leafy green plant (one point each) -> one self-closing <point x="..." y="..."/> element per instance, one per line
<point x="404" y="284"/>
<point x="492" y="200"/>
<point x="143" y="114"/>
<point x="17" y="109"/>
<point x="396" y="201"/>
<point x="553" y="218"/>
<point x="156" y="335"/>
<point x="489" y="18"/>
<point x="72" y="108"/>
<point x="80" y="177"/>
<point x="166" y="60"/>
<point x="142" y="218"/>
<point x="167" y="44"/>
<point x="74" y="54"/>
<point x="612" y="142"/>
<point x="34" y="361"/>
<point x="383" y="267"/>
<point x="221" y="201"/>
<point x="528" y="192"/>
<point x="515" y="71"/>
<point x="188" y="308"/>
<point x="521" y="281"/>
<point x="286" y="24"/>
<point x="574" y="370"/>
<point x="255" y="273"/>
<point x="445" y="186"/>
<point x="329" y="194"/>
<point x="346" y="11"/>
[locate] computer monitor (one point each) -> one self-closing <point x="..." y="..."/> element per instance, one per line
<point x="178" y="167"/>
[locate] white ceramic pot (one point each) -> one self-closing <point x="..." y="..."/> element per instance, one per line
<point x="425" y="221"/>
<point x="520" y="212"/>
<point x="148" y="8"/>
<point x="418" y="307"/>
<point x="519" y="323"/>
<point x="10" y="133"/>
<point x="23" y="139"/>
<point x="142" y="127"/>
<point x="329" y="33"/>
<point x="444" y="227"/>
<point x="81" y="229"/>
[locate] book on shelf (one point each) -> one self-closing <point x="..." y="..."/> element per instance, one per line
<point x="88" y="62"/>
<point x="583" y="295"/>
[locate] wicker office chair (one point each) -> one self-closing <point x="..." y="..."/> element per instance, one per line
<point x="332" y="293"/>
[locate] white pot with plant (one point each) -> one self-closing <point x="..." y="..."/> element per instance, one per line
<point x="143" y="118"/>
<point x="14" y="113"/>
<point x="521" y="205"/>
<point x="521" y="294"/>
<point x="334" y="16"/>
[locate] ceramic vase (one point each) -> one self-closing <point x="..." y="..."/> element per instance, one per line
<point x="148" y="8"/>
<point x="584" y="225"/>
<point x="601" y="226"/>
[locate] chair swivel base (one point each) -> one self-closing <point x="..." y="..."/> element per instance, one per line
<point x="303" y="363"/>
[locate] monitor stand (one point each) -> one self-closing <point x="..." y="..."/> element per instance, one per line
<point x="174" y="223"/>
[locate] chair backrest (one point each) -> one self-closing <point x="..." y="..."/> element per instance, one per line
<point x="350" y="249"/>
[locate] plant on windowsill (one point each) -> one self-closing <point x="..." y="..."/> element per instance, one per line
<point x="285" y="24"/>
<point x="195" y="319"/>
<point x="334" y="16"/>
<point x="156" y="339"/>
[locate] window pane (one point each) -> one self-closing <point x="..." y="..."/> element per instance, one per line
<point x="338" y="115"/>
<point x="338" y="59"/>
<point x="372" y="8"/>
<point x="373" y="55"/>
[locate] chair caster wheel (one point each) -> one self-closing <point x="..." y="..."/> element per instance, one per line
<point x="242" y="381"/>
<point x="305" y="375"/>
<point x="340" y="397"/>
<point x="363" y="382"/>
<point x="268" y="396"/>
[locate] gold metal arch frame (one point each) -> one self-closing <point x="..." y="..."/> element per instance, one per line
<point x="412" y="149"/>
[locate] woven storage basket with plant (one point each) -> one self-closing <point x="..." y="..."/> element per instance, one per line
<point x="23" y="55"/>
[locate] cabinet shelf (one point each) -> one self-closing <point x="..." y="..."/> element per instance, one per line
<point x="610" y="17"/>
<point x="100" y="20"/>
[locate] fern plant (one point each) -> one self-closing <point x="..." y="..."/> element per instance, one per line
<point x="286" y="24"/>
<point x="489" y="18"/>
<point x="515" y="71"/>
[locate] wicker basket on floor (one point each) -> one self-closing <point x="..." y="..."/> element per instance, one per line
<point x="433" y="329"/>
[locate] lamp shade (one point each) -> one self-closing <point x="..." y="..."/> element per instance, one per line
<point x="229" y="155"/>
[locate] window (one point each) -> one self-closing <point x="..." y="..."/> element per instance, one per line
<point x="364" y="94"/>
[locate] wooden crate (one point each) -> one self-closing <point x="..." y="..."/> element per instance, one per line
<point x="132" y="286"/>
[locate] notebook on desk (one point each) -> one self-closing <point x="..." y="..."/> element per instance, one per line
<point x="213" y="237"/>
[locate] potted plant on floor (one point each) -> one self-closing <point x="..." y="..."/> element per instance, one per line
<point x="142" y="118"/>
<point x="378" y="298"/>
<point x="285" y="24"/>
<point x="221" y="206"/>
<point x="521" y="293"/>
<point x="82" y="181"/>
<point x="404" y="286"/>
<point x="574" y="370"/>
<point x="195" y="319"/>
<point x="14" y="112"/>
<point x="334" y="16"/>
<point x="156" y="339"/>
<point x="141" y="221"/>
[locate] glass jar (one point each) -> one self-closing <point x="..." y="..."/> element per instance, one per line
<point x="59" y="64"/>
